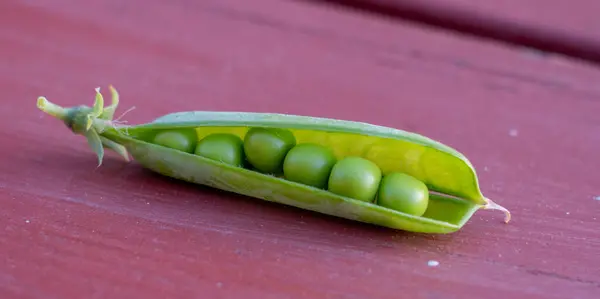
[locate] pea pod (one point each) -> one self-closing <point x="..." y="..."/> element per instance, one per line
<point x="453" y="193"/>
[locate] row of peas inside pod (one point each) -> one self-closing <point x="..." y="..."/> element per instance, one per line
<point x="276" y="152"/>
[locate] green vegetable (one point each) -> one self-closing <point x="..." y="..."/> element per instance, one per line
<point x="226" y="148"/>
<point x="371" y="162"/>
<point x="182" y="140"/>
<point x="403" y="193"/>
<point x="266" y="148"/>
<point x="355" y="177"/>
<point x="309" y="164"/>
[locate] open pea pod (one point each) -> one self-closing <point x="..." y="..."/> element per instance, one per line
<point x="452" y="184"/>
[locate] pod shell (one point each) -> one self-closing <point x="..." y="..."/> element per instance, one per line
<point x="450" y="172"/>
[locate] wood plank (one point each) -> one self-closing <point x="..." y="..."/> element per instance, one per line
<point x="566" y="27"/>
<point x="529" y="124"/>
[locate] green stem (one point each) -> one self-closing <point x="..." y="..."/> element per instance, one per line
<point x="52" y="109"/>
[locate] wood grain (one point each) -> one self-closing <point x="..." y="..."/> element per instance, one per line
<point x="561" y="26"/>
<point x="529" y="124"/>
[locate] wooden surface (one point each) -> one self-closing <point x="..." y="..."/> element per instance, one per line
<point x="569" y="27"/>
<point x="528" y="123"/>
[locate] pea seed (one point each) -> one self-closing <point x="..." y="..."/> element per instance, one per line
<point x="355" y="177"/>
<point x="266" y="148"/>
<point x="226" y="148"/>
<point x="183" y="140"/>
<point x="309" y="164"/>
<point x="404" y="193"/>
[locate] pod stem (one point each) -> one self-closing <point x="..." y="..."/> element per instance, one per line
<point x="52" y="109"/>
<point x="490" y="205"/>
<point x="90" y="122"/>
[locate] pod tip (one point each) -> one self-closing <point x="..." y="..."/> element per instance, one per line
<point x="494" y="206"/>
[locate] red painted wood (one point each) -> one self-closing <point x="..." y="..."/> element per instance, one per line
<point x="562" y="26"/>
<point x="73" y="231"/>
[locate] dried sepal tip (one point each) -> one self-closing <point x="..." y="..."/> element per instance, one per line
<point x="109" y="111"/>
<point x="98" y="104"/>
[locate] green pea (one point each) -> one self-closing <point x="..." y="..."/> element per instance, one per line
<point x="403" y="193"/>
<point x="309" y="164"/>
<point x="226" y="148"/>
<point x="183" y="140"/>
<point x="355" y="177"/>
<point x="266" y="148"/>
